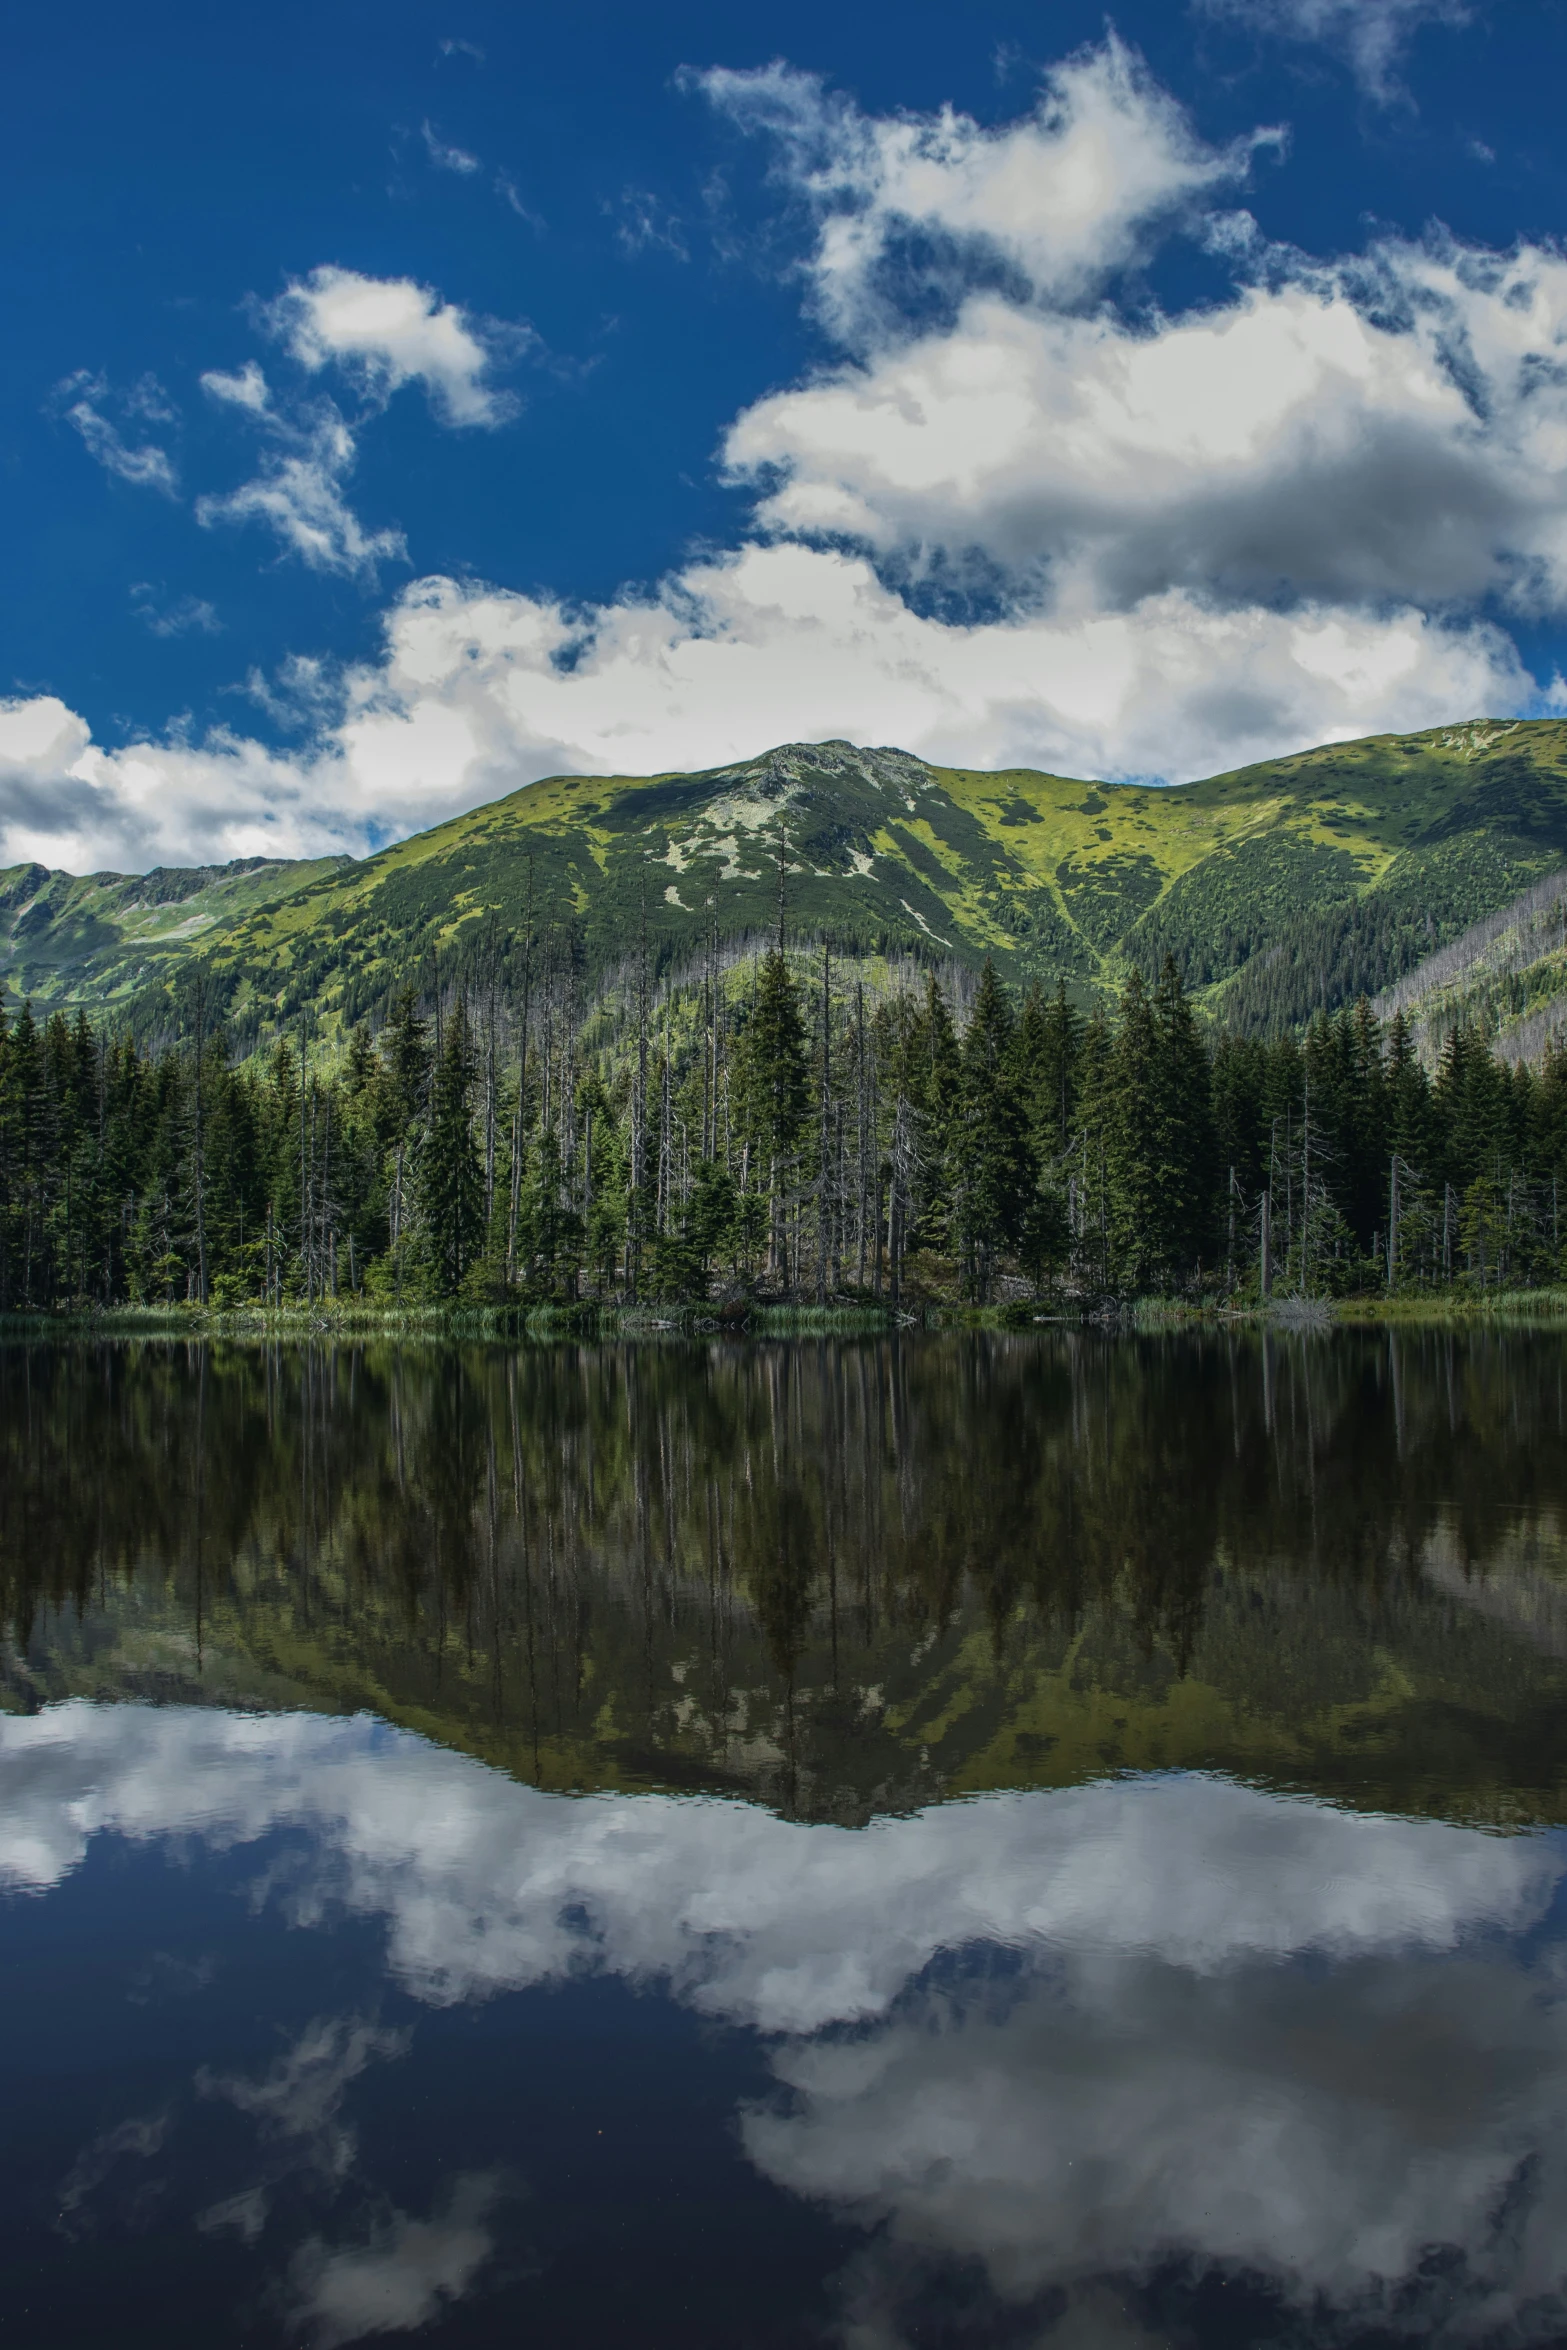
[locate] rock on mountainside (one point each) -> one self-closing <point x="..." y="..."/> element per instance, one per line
<point x="1297" y="882"/>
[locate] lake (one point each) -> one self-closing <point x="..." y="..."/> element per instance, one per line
<point x="1053" y="1842"/>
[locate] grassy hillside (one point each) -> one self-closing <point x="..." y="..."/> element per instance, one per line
<point x="105" y="938"/>
<point x="1505" y="977"/>
<point x="1296" y="882"/>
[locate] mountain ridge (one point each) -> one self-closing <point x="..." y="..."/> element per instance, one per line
<point x="1277" y="887"/>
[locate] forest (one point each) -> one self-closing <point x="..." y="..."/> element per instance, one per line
<point x="769" y="1124"/>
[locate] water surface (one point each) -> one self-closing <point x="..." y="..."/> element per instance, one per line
<point x="1040" y="1840"/>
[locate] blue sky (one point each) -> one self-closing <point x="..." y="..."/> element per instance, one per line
<point x="403" y="404"/>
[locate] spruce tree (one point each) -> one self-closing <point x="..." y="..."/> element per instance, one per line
<point x="451" y="1180"/>
<point x="990" y="1165"/>
<point x="774" y="1084"/>
<point x="1189" y="1163"/>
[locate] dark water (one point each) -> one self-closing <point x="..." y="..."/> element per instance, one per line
<point x="1054" y="1842"/>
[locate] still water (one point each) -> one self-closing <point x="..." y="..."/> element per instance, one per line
<point x="1052" y="1841"/>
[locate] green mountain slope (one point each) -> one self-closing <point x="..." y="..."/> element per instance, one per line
<point x="1296" y="882"/>
<point x="1505" y="977"/>
<point x="104" y="938"/>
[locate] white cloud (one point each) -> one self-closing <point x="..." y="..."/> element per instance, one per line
<point x="1066" y="195"/>
<point x="475" y="696"/>
<point x="303" y="692"/>
<point x="389" y="332"/>
<point x="137" y="2140"/>
<point x="1371" y="34"/>
<point x="66" y="801"/>
<point x="298" y="494"/>
<point x="1291" y="2125"/>
<point x="1396" y="431"/>
<point x="146" y="466"/>
<point x="245" y="388"/>
<point x="447" y="158"/>
<point x="298" y="2102"/>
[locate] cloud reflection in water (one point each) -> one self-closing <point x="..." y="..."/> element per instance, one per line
<point x="1062" y="2039"/>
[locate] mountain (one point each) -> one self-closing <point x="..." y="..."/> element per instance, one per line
<point x="1296" y="882"/>
<point x="104" y="938"/>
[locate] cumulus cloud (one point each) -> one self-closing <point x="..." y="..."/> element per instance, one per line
<point x="392" y="331"/>
<point x="81" y="399"/>
<point x="1280" y="2125"/>
<point x="1062" y="197"/>
<point x="1396" y="431"/>
<point x="481" y="691"/>
<point x="1371" y="34"/>
<point x="66" y="801"/>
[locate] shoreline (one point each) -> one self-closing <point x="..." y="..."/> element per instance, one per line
<point x="543" y="1324"/>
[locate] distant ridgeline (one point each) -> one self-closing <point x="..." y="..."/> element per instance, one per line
<point x="555" y="1050"/>
<point x="1281" y="890"/>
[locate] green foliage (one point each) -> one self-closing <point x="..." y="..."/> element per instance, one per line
<point x="451" y="1181"/>
<point x="736" y="1133"/>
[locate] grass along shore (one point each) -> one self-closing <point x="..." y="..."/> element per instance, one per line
<point x="543" y="1323"/>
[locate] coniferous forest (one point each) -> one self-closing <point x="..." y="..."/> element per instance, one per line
<point x="770" y="1124"/>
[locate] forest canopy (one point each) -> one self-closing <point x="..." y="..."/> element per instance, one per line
<point x="772" y="1125"/>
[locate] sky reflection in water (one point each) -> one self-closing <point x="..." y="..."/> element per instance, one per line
<point x="319" y="2030"/>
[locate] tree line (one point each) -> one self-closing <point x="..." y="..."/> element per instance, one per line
<point x="771" y="1123"/>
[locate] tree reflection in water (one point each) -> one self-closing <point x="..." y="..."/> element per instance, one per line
<point x="843" y="1577"/>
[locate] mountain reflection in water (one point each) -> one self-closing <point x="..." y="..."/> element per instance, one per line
<point x="1049" y="1841"/>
